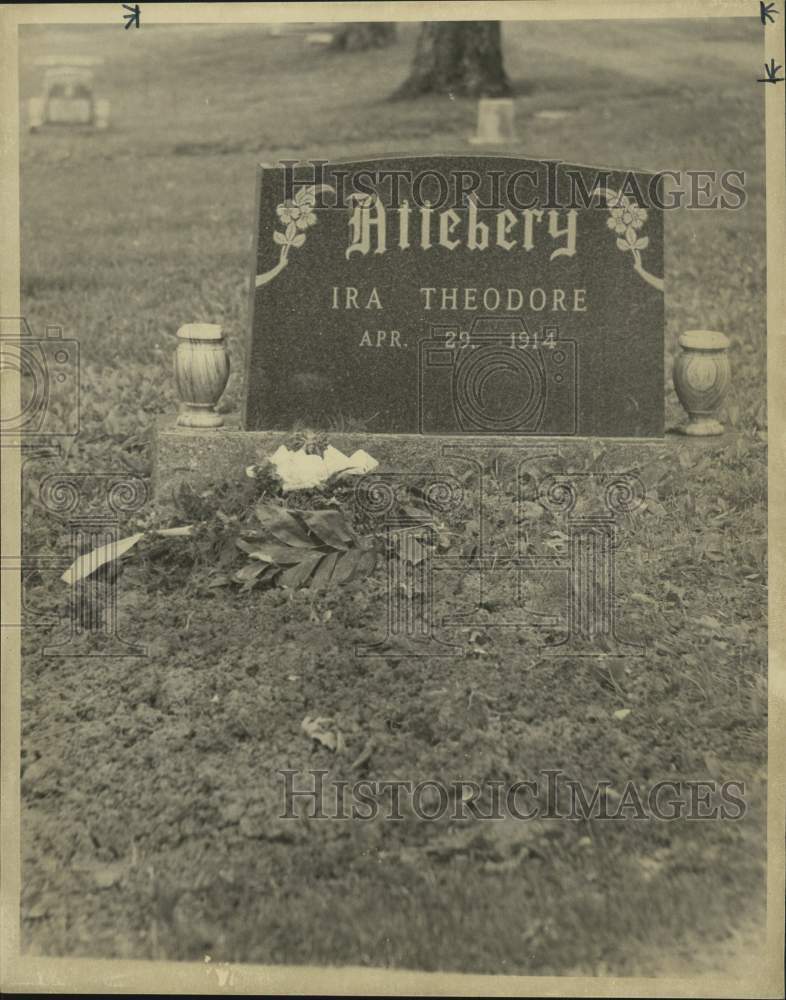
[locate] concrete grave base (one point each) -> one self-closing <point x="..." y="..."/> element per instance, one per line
<point x="205" y="458"/>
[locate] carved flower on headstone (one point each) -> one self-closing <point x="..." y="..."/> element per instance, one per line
<point x="625" y="219"/>
<point x="298" y="210"/>
<point x="626" y="216"/>
<point x="297" y="214"/>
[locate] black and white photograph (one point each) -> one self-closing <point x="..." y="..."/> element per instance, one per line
<point x="392" y="548"/>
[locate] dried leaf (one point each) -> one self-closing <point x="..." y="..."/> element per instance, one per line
<point x="298" y="575"/>
<point x="183" y="532"/>
<point x="251" y="572"/>
<point x="303" y="536"/>
<point x="91" y="561"/>
<point x="324" y="571"/>
<point x="366" y="563"/>
<point x="283" y="526"/>
<point x="283" y="555"/>
<point x="329" y="526"/>
<point x="320" y="729"/>
<point x="347" y="565"/>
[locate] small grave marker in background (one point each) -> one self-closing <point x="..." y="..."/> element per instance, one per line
<point x="495" y="122"/>
<point x="68" y="95"/>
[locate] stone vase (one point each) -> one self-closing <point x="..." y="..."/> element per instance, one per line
<point x="701" y="379"/>
<point x="201" y="373"/>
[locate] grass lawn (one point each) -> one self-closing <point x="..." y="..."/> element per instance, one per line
<point x="150" y="793"/>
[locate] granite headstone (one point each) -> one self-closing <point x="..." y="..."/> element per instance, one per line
<point x="479" y="295"/>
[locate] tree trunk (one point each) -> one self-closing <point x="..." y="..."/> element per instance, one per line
<point x="357" y="36"/>
<point x="463" y="58"/>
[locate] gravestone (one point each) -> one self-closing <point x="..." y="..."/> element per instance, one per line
<point x="412" y="306"/>
<point x="457" y="295"/>
<point x="458" y="317"/>
<point x="495" y="122"/>
<point x="68" y="96"/>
